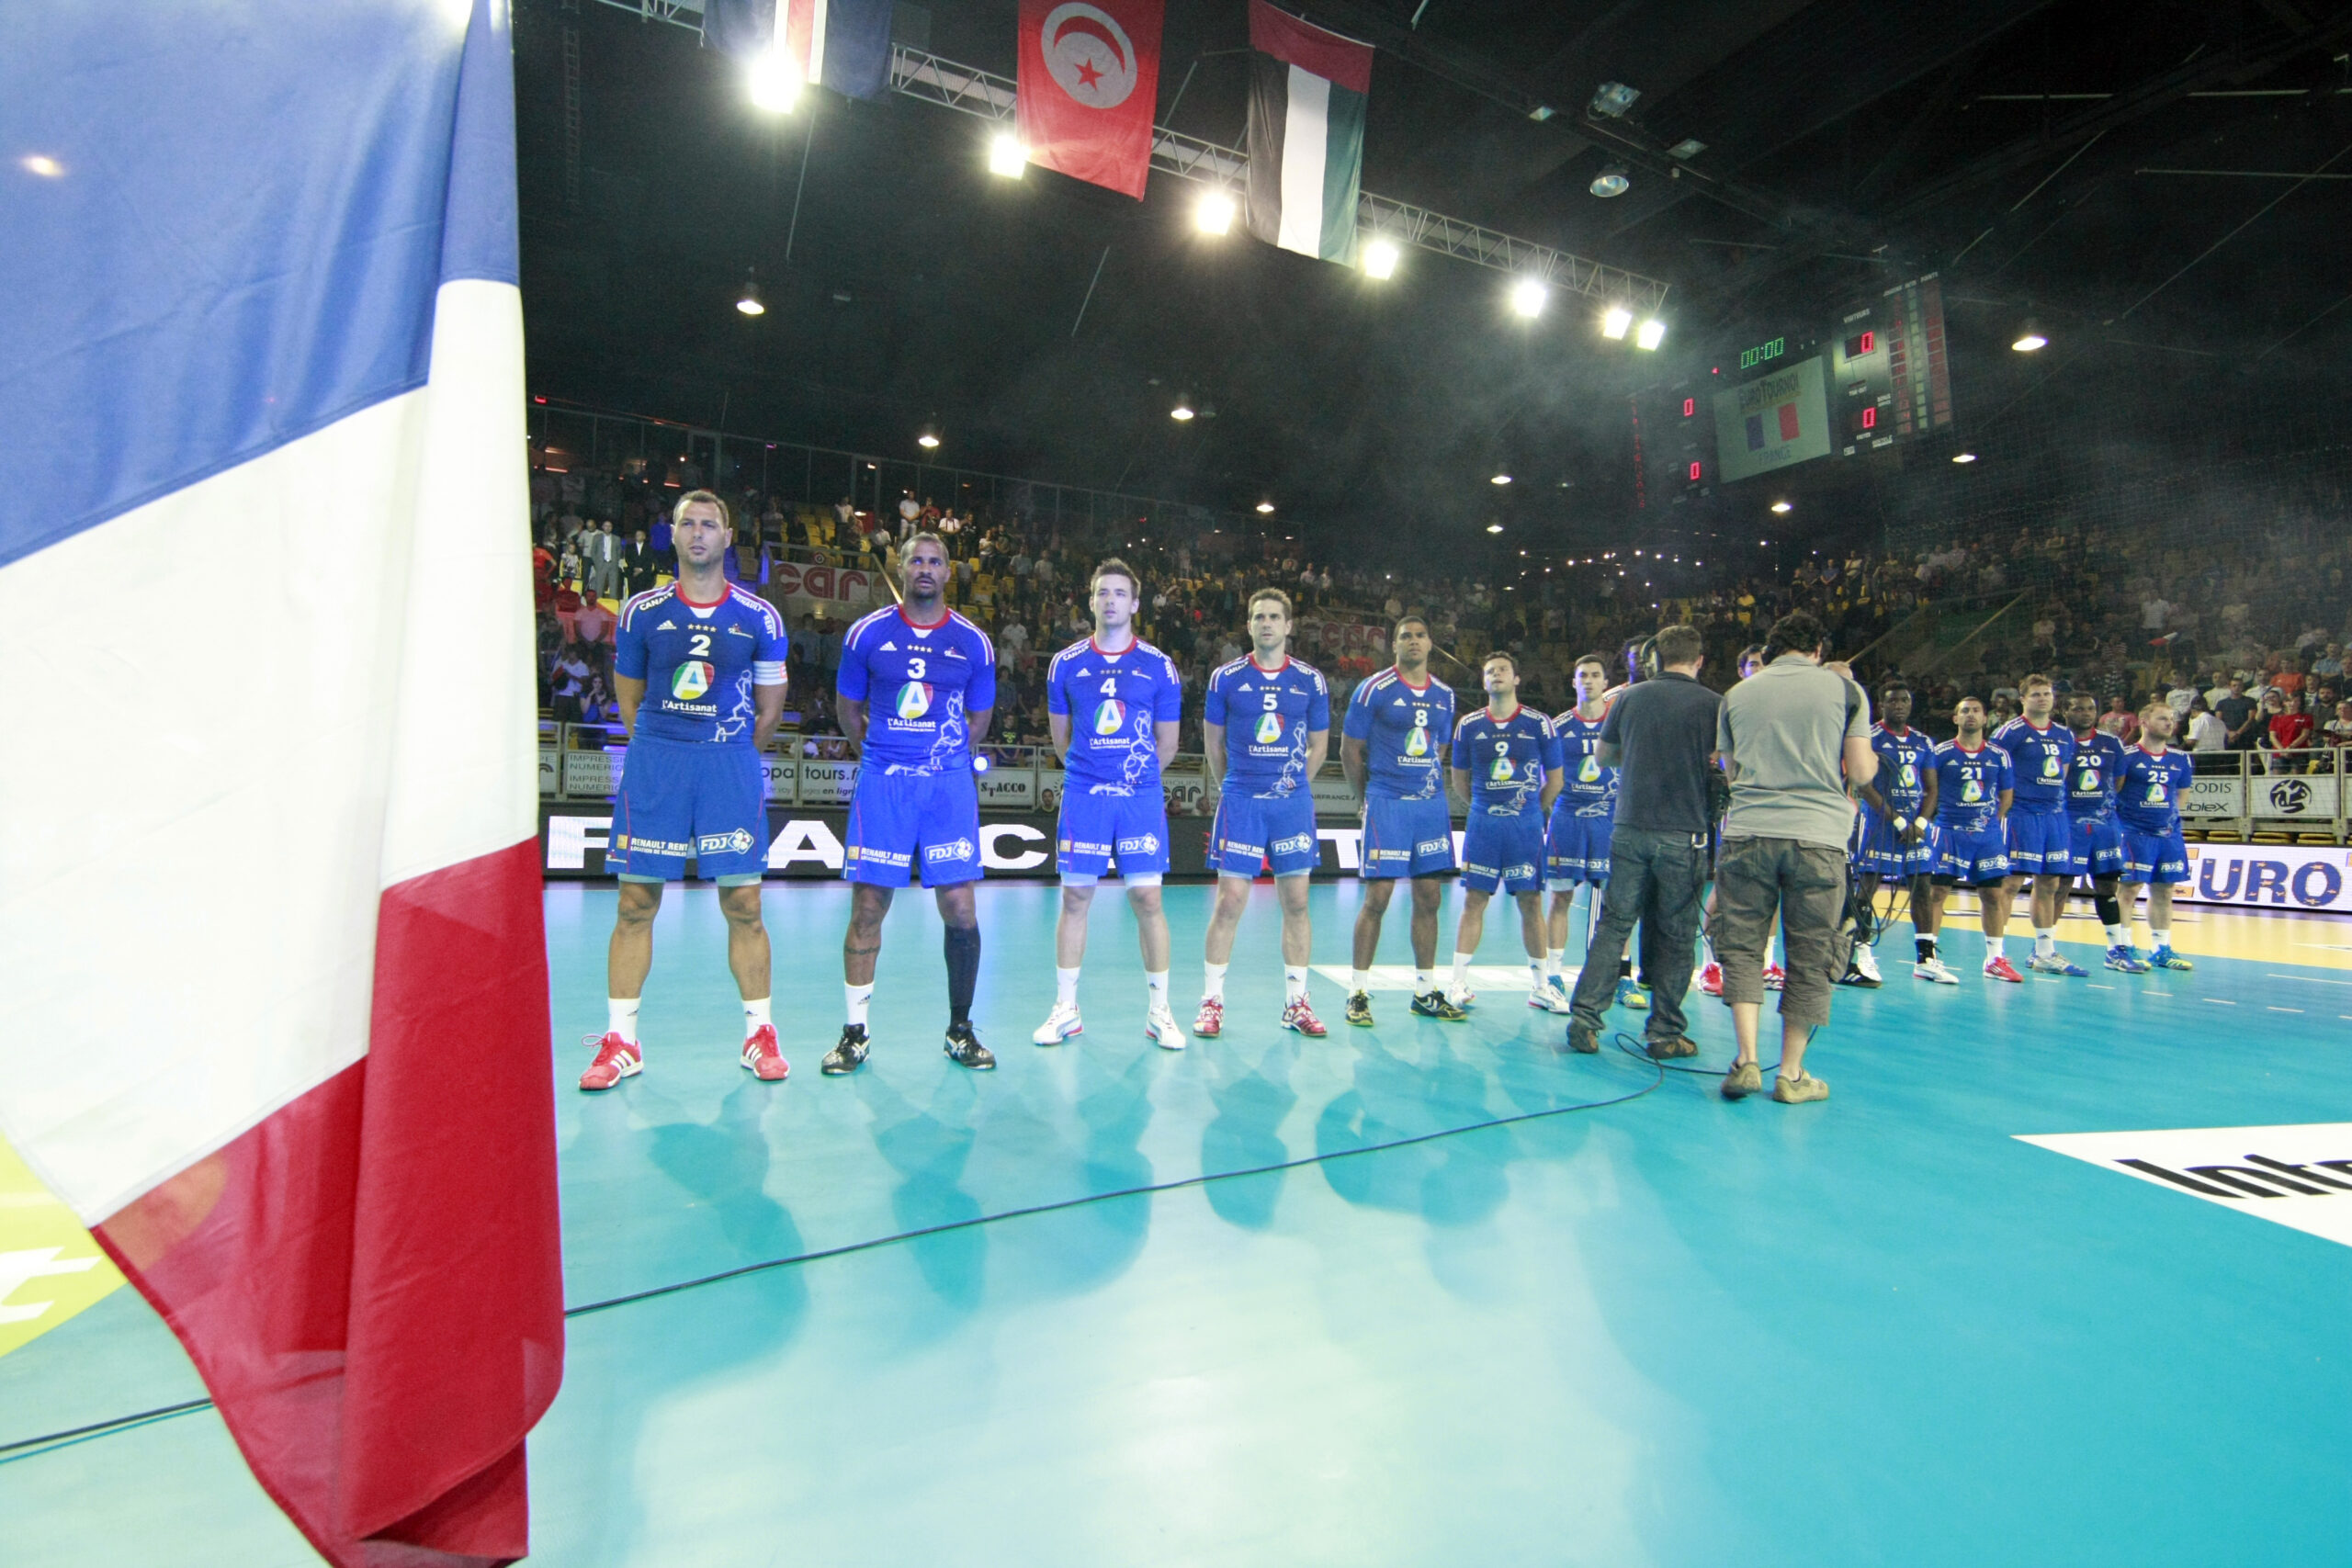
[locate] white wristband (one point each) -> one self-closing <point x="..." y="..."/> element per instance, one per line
<point x="1920" y="823"/>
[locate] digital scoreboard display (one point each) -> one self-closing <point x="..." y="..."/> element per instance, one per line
<point x="1889" y="373"/>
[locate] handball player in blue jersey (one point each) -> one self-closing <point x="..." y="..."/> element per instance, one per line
<point x="1974" y="782"/>
<point x="2041" y="828"/>
<point x="699" y="671"/>
<point x="1112" y="703"/>
<point x="1392" y="746"/>
<point x="1895" y="836"/>
<point x="1577" y="840"/>
<point x="2147" y="799"/>
<point x="1265" y="726"/>
<point x="917" y="686"/>
<point x="2098" y="841"/>
<point x="1507" y="760"/>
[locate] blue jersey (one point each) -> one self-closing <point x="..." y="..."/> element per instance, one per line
<point x="1969" y="785"/>
<point x="920" y="684"/>
<point x="1404" y="729"/>
<point x="1506" y="760"/>
<point x="699" y="662"/>
<point x="2039" y="756"/>
<point x="1589" y="789"/>
<point x="1904" y="762"/>
<point x="2148" y="790"/>
<point x="1114" y="702"/>
<point x="1267" y="716"/>
<point x="2092" y="776"/>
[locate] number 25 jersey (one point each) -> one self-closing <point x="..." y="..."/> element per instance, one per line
<point x="2148" y="792"/>
<point x="919" y="685"/>
<point x="699" y="662"/>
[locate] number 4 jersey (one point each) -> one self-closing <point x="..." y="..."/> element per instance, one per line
<point x="699" y="662"/>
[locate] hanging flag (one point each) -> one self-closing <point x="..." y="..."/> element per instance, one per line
<point x="1089" y="84"/>
<point x="1306" y="96"/>
<point x="269" y="892"/>
<point x="841" y="44"/>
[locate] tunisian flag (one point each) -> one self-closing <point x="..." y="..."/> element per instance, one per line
<point x="1089" y="83"/>
<point x="268" y="898"/>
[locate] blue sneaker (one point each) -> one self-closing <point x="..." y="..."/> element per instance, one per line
<point x="2057" y="965"/>
<point x="2166" y="958"/>
<point x="2126" y="960"/>
<point x="1630" y="996"/>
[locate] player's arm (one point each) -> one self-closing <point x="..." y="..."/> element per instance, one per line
<point x="1058" y="731"/>
<point x="1352" y="762"/>
<point x="1928" y="795"/>
<point x="851" y="713"/>
<point x="850" y="687"/>
<point x="1871" y="798"/>
<point x="977" y="721"/>
<point x="1213" y="755"/>
<point x="1319" y="750"/>
<point x="1554" y="779"/>
<point x="767" y="712"/>
<point x="628" y="692"/>
<point x="1609" y="750"/>
<point x="2007" y="795"/>
<point x="1163" y="739"/>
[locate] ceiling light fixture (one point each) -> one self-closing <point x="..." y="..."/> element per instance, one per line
<point x="1214" y="214"/>
<point x="1613" y="98"/>
<point x="1652" y="333"/>
<point x="1615" y="321"/>
<point x="1494" y="527"/>
<point x="1963" y="456"/>
<point x="1613" y="180"/>
<point x="1380" y="259"/>
<point x="773" y="82"/>
<point x="928" y="437"/>
<point x="1265" y="509"/>
<point x="1528" y="296"/>
<point x="1499" y="480"/>
<point x="748" y="302"/>
<point x="45" y="166"/>
<point x="2030" y="337"/>
<point x="1007" y="156"/>
<point x="1183" y="409"/>
<point x="1783" y="507"/>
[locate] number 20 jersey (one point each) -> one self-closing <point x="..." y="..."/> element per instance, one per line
<point x="919" y="685"/>
<point x="699" y="662"/>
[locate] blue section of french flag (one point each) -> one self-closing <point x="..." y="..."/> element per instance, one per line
<point x="266" y="880"/>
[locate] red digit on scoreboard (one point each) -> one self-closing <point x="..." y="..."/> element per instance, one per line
<point x="1869" y="341"/>
<point x="1694" y="473"/>
<point x="1690" y="407"/>
<point x="1869" y="419"/>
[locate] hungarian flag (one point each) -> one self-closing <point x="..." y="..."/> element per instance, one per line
<point x="841" y="44"/>
<point x="1306" y="96"/>
<point x="1089" y="84"/>
<point x="268" y="898"/>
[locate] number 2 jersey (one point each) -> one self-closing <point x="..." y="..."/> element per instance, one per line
<point x="1115" y="703"/>
<point x="1268" y="716"/>
<point x="699" y="662"/>
<point x="920" y="684"/>
<point x="1404" y="729"/>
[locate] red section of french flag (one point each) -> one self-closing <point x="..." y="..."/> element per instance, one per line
<point x="1788" y="421"/>
<point x="368" y="1279"/>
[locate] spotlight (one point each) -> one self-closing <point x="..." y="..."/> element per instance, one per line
<point x="1653" y="333"/>
<point x="41" y="164"/>
<point x="1183" y="409"/>
<point x="1963" y="456"/>
<point x="748" y="302"/>
<point x="1614" y="322"/>
<point x="1613" y="180"/>
<point x="773" y="84"/>
<point x="1499" y="480"/>
<point x="928" y="437"/>
<point x="1380" y="259"/>
<point x="1782" y="506"/>
<point x="1494" y="527"/>
<point x="1213" y="214"/>
<point x="1007" y="156"/>
<point x="1265" y="509"/>
<point x="1528" y="295"/>
<point x="2030" y="337"/>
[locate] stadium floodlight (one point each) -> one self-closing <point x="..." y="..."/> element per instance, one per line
<point x="1653" y="333"/>
<point x="928" y="437"/>
<point x="1380" y="257"/>
<point x="749" y="301"/>
<point x="1528" y="296"/>
<point x="1183" y="409"/>
<point x="1265" y="509"/>
<point x="1214" y="214"/>
<point x="1500" y="478"/>
<point x="1783" y="507"/>
<point x="1007" y="156"/>
<point x="1614" y="322"/>
<point x="1494" y="527"/>
<point x="1963" y="456"/>
<point x="774" y="84"/>
<point x="2030" y="337"/>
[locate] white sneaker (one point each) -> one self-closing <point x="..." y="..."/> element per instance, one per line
<point x="1059" y="1026"/>
<point x="1551" y="997"/>
<point x="1934" y="969"/>
<point x="1866" y="961"/>
<point x="1162" y="1029"/>
<point x="1465" y="999"/>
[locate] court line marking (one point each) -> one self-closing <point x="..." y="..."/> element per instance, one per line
<point x="2216" y="1001"/>
<point x="2312" y="979"/>
<point x="2285" y="1009"/>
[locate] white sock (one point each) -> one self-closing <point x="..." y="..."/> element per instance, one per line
<point x="1359" y="980"/>
<point x="2163" y="938"/>
<point x="1554" y="960"/>
<point x="1065" y="987"/>
<point x="1423" y="982"/>
<point x="857" y="998"/>
<point x="1461" y="971"/>
<point x="755" y="1017"/>
<point x="1535" y="975"/>
<point x="1155" y="985"/>
<point x="1214" y="986"/>
<point x="2118" y="936"/>
<point x="1294" y="982"/>
<point x="621" y="1017"/>
<point x="1993" y="946"/>
<point x="2045" y="942"/>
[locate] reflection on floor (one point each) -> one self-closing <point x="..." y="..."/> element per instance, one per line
<point x="1673" y="1330"/>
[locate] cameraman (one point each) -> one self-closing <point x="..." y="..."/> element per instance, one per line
<point x="1792" y="736"/>
<point x="1658" y="735"/>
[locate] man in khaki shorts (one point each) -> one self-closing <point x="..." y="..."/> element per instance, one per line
<point x="1792" y="737"/>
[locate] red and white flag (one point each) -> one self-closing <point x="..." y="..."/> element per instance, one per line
<point x="269" y="901"/>
<point x="1089" y="83"/>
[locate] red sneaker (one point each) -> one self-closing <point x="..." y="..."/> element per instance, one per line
<point x="616" y="1059"/>
<point x="1775" y="978"/>
<point x="1710" y="978"/>
<point x="1209" y="1022"/>
<point x="766" y="1062"/>
<point x="2002" y="969"/>
<point x="1300" y="1015"/>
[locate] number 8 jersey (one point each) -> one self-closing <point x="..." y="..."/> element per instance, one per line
<point x="699" y="662"/>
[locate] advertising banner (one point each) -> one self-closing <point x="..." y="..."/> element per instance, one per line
<point x="2280" y="876"/>
<point x="837" y="584"/>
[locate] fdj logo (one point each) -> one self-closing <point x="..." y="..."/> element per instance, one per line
<point x="690" y="680"/>
<point x="2290" y="797"/>
<point x="1111" y="717"/>
<point x="914" y="700"/>
<point x="1270" y="728"/>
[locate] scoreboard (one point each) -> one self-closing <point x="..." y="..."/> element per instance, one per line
<point x="1889" y="365"/>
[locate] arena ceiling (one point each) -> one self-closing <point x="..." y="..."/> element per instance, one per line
<point x="2009" y="145"/>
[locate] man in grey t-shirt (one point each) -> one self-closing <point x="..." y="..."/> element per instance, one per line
<point x="1792" y="737"/>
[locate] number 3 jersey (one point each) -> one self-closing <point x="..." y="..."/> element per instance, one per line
<point x="919" y="685"/>
<point x="1115" y="703"/>
<point x="699" y="662"/>
<point x="1404" y="728"/>
<point x="1268" y="716"/>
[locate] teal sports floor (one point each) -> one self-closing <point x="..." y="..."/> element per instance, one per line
<point x="921" y="1317"/>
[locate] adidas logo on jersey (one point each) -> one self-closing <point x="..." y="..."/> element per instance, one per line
<point x="667" y="627"/>
<point x="888" y="647"/>
<point x="954" y="653"/>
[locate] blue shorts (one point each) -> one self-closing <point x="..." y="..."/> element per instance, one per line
<point x="1103" y="825"/>
<point x="1879" y="851"/>
<point x="2097" y="847"/>
<point x="1407" y="838"/>
<point x="1503" y="854"/>
<point x="689" y="797"/>
<point x="2041" y="844"/>
<point x="1977" y="859"/>
<point x="1575" y="847"/>
<point x="899" y="819"/>
<point x="2154" y="857"/>
<point x="1252" y="831"/>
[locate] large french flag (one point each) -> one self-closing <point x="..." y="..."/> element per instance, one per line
<point x="269" y="916"/>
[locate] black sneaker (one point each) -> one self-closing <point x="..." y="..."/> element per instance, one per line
<point x="850" y="1054"/>
<point x="1360" y="1010"/>
<point x="964" y="1049"/>
<point x="1583" y="1039"/>
<point x="1438" y="1005"/>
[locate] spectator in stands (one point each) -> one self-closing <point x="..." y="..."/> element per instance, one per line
<point x="573" y="673"/>
<point x="2207" y="733"/>
<point x="637" y="564"/>
<point x="2287" y="735"/>
<point x="2120" y="721"/>
<point x="603" y="554"/>
<point x="2339" y="730"/>
<point x="2240" y="715"/>
<point x="2182" y="693"/>
<point x="592" y="622"/>
<point x="665" y="559"/>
